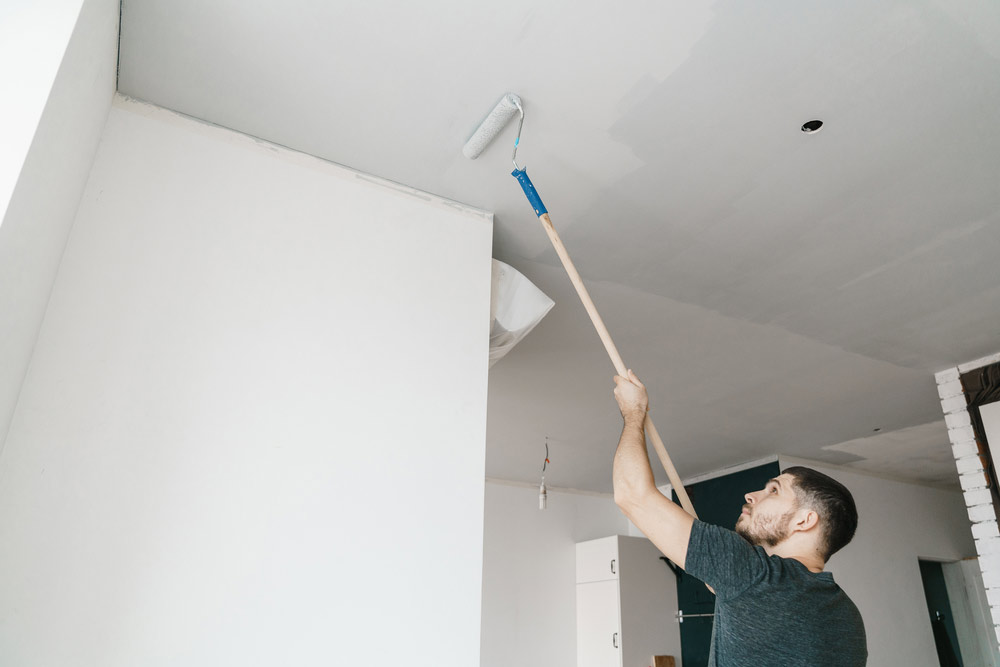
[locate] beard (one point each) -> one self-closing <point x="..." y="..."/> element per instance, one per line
<point x="767" y="531"/>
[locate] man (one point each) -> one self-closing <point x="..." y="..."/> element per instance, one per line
<point x="774" y="603"/>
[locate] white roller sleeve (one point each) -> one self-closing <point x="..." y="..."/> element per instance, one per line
<point x="491" y="126"/>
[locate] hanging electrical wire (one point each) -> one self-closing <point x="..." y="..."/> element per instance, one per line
<point x="543" y="495"/>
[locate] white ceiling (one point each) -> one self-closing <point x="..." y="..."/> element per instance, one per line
<point x="780" y="293"/>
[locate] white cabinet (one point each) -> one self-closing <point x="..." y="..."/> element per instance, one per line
<point x="597" y="624"/>
<point x="597" y="560"/>
<point x="626" y="601"/>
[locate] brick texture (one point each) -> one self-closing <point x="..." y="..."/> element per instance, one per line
<point x="969" y="466"/>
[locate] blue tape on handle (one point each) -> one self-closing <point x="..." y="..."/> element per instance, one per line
<point x="529" y="191"/>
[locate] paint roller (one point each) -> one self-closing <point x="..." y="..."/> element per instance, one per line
<point x="497" y="119"/>
<point x="502" y="113"/>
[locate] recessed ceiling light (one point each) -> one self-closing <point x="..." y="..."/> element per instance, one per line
<point x="876" y="430"/>
<point x="812" y="127"/>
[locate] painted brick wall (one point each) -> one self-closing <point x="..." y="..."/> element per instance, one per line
<point x="972" y="475"/>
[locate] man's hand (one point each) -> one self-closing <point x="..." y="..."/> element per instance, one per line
<point x="632" y="398"/>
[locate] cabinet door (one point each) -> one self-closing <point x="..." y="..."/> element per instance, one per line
<point x="597" y="560"/>
<point x="598" y="633"/>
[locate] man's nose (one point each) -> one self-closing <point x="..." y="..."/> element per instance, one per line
<point x="749" y="498"/>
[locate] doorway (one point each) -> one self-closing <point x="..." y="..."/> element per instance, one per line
<point x="942" y="619"/>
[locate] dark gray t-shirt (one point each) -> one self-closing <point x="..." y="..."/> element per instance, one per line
<point x="771" y="610"/>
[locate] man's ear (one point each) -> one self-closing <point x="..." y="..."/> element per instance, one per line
<point x="805" y="519"/>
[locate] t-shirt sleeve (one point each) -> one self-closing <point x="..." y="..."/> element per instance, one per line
<point x="723" y="560"/>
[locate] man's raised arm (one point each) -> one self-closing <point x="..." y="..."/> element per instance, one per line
<point x="666" y="524"/>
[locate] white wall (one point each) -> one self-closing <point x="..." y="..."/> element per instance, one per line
<point x="529" y="572"/>
<point x="58" y="111"/>
<point x="33" y="39"/>
<point x="971" y="612"/>
<point x="898" y="524"/>
<point x="253" y="429"/>
<point x="990" y="414"/>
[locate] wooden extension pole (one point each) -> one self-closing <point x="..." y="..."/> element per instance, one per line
<point x="616" y="359"/>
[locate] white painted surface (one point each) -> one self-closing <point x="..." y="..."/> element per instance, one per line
<point x="597" y="560"/>
<point x="779" y="292"/>
<point x="648" y="590"/>
<point x="898" y="524"/>
<point x="253" y="430"/>
<point x="598" y="624"/>
<point x="971" y="611"/>
<point x="991" y="422"/>
<point x="50" y="177"/>
<point x="919" y="453"/>
<point x="34" y="36"/>
<point x="529" y="565"/>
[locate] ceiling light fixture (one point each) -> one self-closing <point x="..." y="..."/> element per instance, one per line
<point x="812" y="127"/>
<point x="543" y="495"/>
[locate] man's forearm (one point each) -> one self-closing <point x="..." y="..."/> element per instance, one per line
<point x="632" y="476"/>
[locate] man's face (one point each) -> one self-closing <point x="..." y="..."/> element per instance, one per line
<point x="767" y="515"/>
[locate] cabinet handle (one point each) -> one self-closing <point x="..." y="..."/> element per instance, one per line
<point x="614" y="640"/>
<point x="613" y="566"/>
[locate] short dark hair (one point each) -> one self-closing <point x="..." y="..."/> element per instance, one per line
<point x="832" y="501"/>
